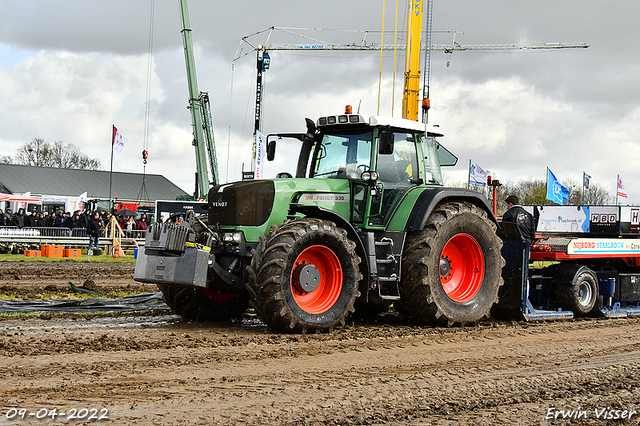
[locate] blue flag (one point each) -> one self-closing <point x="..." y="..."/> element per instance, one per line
<point x="555" y="191"/>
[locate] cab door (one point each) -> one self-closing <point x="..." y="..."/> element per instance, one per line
<point x="397" y="174"/>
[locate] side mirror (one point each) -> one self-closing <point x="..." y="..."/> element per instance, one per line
<point x="386" y="142"/>
<point x="311" y="128"/>
<point x="271" y="150"/>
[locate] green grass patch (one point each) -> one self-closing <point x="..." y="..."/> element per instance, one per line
<point x="66" y="293"/>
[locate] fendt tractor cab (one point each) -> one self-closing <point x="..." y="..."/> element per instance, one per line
<point x="364" y="223"/>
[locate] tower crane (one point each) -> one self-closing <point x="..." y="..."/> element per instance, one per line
<point x="411" y="102"/>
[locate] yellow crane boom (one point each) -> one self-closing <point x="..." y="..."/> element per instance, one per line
<point x="411" y="95"/>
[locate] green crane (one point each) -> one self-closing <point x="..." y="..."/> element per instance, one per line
<point x="201" y="122"/>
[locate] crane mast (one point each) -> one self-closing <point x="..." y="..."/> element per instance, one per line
<point x="426" y="102"/>
<point x="412" y="61"/>
<point x="201" y="123"/>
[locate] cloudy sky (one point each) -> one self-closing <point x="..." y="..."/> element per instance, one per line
<point x="70" y="69"/>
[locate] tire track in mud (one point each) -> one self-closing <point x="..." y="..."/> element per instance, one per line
<point x="503" y="373"/>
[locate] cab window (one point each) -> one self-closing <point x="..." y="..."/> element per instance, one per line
<point x="343" y="155"/>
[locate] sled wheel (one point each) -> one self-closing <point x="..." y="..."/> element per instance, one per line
<point x="304" y="276"/>
<point x="452" y="268"/>
<point x="220" y="294"/>
<point x="217" y="303"/>
<point x="580" y="295"/>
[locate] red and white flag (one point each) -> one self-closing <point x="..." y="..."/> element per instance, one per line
<point x="117" y="142"/>
<point x="82" y="198"/>
<point x="621" y="191"/>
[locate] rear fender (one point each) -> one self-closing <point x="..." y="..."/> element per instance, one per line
<point x="429" y="199"/>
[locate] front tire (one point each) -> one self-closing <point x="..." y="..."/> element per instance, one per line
<point x="452" y="267"/>
<point x="304" y="276"/>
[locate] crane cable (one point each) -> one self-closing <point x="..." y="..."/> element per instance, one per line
<point x="395" y="55"/>
<point x="147" y="103"/>
<point x="147" y="106"/>
<point x="395" y="52"/>
<point x="384" y="8"/>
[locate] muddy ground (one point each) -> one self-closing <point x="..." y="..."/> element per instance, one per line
<point x="159" y="369"/>
<point x="33" y="280"/>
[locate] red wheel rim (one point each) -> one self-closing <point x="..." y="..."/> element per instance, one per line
<point x="325" y="265"/>
<point x="220" y="294"/>
<point x="461" y="268"/>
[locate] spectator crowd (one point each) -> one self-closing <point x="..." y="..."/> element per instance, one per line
<point x="79" y="219"/>
<point x="55" y="219"/>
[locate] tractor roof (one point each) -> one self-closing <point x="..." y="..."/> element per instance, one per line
<point x="376" y="121"/>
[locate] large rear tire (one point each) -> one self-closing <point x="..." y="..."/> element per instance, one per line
<point x="304" y="276"/>
<point x="217" y="303"/>
<point x="452" y="268"/>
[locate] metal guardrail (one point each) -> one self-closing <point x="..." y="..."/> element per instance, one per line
<point x="60" y="236"/>
<point x="135" y="234"/>
<point x="35" y="232"/>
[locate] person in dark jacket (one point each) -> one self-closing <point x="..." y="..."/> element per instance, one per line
<point x="67" y="222"/>
<point x="39" y="221"/>
<point x="86" y="216"/>
<point x="52" y="220"/>
<point x="517" y="214"/>
<point x="93" y="231"/>
<point x="30" y="219"/>
<point x="7" y="217"/>
<point x="18" y="219"/>
<point x="58" y="219"/>
<point x="77" y="221"/>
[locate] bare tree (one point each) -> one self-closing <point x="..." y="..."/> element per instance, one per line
<point x="37" y="152"/>
<point x="595" y="195"/>
<point x="534" y="192"/>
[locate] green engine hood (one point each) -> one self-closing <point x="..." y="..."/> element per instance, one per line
<point x="263" y="203"/>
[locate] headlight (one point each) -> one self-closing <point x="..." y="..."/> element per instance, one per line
<point x="232" y="237"/>
<point x="369" y="176"/>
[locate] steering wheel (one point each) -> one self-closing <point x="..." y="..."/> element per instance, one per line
<point x="364" y="168"/>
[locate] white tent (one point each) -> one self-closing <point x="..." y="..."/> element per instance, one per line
<point x="19" y="198"/>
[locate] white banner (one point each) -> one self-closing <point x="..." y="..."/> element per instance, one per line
<point x="261" y="154"/>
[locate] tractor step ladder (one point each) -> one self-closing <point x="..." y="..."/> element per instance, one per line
<point x="388" y="266"/>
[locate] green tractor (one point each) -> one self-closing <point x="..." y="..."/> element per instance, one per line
<point x="365" y="223"/>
